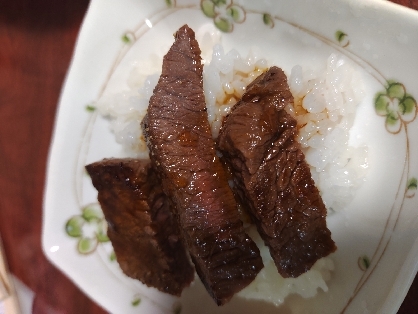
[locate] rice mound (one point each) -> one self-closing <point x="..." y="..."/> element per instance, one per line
<point x="325" y="105"/>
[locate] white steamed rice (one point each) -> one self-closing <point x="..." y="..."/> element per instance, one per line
<point x="224" y="80"/>
<point x="325" y="105"/>
<point x="271" y="287"/>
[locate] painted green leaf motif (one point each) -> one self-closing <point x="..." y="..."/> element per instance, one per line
<point x="102" y="237"/>
<point x="381" y="104"/>
<point x="126" y="39"/>
<point x="208" y="8"/>
<point x="90" y="108"/>
<point x="112" y="256"/>
<point x="268" y="20"/>
<point x="101" y="232"/>
<point x="87" y="245"/>
<point x="223" y="24"/>
<point x="74" y="226"/>
<point x="91" y="214"/>
<point x="412" y="184"/>
<point x="411" y="187"/>
<point x="237" y="13"/>
<point x="364" y="262"/>
<point x="408" y="107"/>
<point x="170" y="3"/>
<point x="136" y="301"/>
<point x="340" y="36"/>
<point x="393" y="123"/>
<point x="396" y="90"/>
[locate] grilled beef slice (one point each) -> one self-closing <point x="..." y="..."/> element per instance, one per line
<point x="141" y="227"/>
<point x="181" y="147"/>
<point x="271" y="177"/>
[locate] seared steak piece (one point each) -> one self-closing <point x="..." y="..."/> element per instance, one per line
<point x="141" y="227"/>
<point x="271" y="177"/>
<point x="183" y="152"/>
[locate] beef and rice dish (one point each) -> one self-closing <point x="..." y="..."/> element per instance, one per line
<point x="179" y="211"/>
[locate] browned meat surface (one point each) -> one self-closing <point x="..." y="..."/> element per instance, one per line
<point x="141" y="227"/>
<point x="183" y="151"/>
<point x="271" y="177"/>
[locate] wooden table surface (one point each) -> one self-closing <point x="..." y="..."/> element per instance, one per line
<point x="36" y="43"/>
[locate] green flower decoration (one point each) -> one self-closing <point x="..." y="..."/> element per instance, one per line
<point x="268" y="20"/>
<point x="411" y="187"/>
<point x="128" y="38"/>
<point x="89" y="228"/>
<point x="90" y="108"/>
<point x="136" y="300"/>
<point x="396" y="105"/>
<point x="342" y="38"/>
<point x="170" y="3"/>
<point x="224" y="13"/>
<point x="363" y="262"/>
<point x="112" y="256"/>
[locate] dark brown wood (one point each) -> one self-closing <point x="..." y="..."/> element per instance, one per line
<point x="37" y="38"/>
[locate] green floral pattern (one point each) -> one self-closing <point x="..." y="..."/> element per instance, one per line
<point x="363" y="262"/>
<point x="90" y="108"/>
<point x="136" y="300"/>
<point x="224" y="13"/>
<point x="89" y="228"/>
<point x="170" y="3"/>
<point x="268" y="20"/>
<point x="411" y="187"/>
<point x="396" y="105"/>
<point x="342" y="38"/>
<point x="128" y="38"/>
